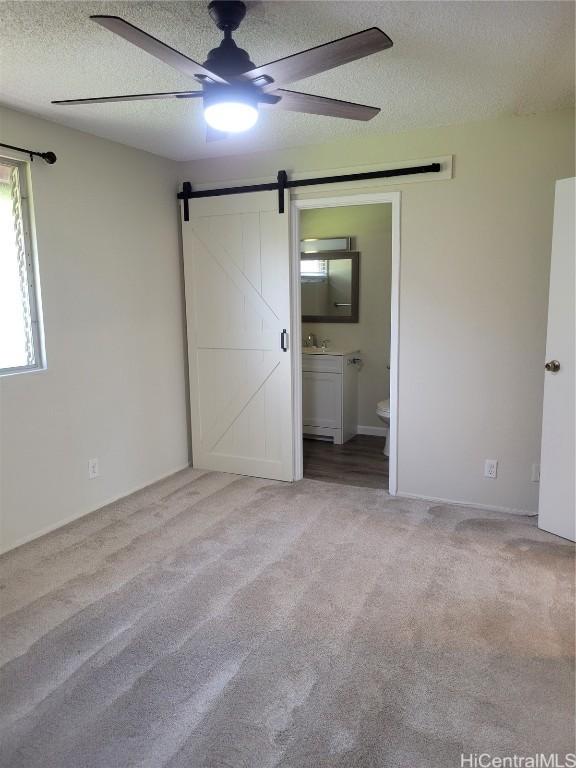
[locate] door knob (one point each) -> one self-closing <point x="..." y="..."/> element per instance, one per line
<point x="553" y="366"/>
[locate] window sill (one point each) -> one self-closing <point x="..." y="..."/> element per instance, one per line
<point x="19" y="371"/>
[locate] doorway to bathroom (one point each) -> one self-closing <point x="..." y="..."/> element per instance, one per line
<point x="345" y="275"/>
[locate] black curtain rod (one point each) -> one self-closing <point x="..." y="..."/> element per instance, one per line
<point x="283" y="183"/>
<point x="49" y="157"/>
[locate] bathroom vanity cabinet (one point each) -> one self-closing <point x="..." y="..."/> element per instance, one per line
<point x="330" y="394"/>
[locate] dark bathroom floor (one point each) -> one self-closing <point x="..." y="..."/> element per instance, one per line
<point x="360" y="461"/>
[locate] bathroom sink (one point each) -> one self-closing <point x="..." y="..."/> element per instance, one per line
<point x="328" y="351"/>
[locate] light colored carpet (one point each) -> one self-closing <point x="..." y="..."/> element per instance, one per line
<point x="212" y="621"/>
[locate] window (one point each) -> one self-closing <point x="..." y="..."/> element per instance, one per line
<point x="312" y="270"/>
<point x="20" y="348"/>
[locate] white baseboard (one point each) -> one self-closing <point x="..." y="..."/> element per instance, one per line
<point x="72" y="518"/>
<point x="376" y="431"/>
<point x="473" y="504"/>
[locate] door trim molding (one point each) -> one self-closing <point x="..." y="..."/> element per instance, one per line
<point x="360" y="198"/>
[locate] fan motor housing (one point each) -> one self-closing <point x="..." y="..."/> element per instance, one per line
<point x="227" y="14"/>
<point x="213" y="94"/>
<point x="228" y="59"/>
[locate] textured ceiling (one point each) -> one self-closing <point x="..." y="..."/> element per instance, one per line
<point x="451" y="62"/>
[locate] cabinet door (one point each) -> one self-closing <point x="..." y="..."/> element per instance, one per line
<point x="322" y="400"/>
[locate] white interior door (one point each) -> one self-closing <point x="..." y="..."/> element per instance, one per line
<point x="557" y="508"/>
<point x="237" y="274"/>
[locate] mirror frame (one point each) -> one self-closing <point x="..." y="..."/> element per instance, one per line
<point x="354" y="257"/>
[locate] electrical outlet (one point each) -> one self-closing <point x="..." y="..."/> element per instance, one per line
<point x="535" y="475"/>
<point x="491" y="468"/>
<point x="93" y="468"/>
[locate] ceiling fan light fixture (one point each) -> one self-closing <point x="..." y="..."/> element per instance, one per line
<point x="230" y="110"/>
<point x="231" y="116"/>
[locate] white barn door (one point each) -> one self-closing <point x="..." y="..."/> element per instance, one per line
<point x="237" y="275"/>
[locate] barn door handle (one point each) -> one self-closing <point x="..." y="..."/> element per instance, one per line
<point x="284" y="340"/>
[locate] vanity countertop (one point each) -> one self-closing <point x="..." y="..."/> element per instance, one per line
<point x="329" y="351"/>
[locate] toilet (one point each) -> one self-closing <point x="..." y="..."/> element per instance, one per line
<point x="383" y="412"/>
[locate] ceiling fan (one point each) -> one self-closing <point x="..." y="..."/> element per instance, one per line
<point x="233" y="87"/>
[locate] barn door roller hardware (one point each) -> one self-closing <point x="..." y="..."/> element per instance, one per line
<point x="49" y="157"/>
<point x="283" y="182"/>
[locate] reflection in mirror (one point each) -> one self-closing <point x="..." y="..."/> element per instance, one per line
<point x="318" y="244"/>
<point x="330" y="286"/>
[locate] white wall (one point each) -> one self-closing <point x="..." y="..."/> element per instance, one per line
<point x="475" y="253"/>
<point x="474" y="281"/>
<point x="371" y="229"/>
<point x="107" y="230"/>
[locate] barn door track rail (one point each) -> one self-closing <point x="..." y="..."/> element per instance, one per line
<point x="283" y="182"/>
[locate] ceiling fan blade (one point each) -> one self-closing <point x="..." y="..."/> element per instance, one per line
<point x="321" y="58"/>
<point x="321" y="105"/>
<point x="213" y="135"/>
<point x="133" y="97"/>
<point x="156" y="47"/>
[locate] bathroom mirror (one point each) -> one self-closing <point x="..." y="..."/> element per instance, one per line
<point x="330" y="286"/>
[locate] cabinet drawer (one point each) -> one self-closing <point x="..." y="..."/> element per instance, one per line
<point x="322" y="363"/>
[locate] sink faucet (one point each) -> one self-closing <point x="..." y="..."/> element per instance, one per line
<point x="325" y="343"/>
